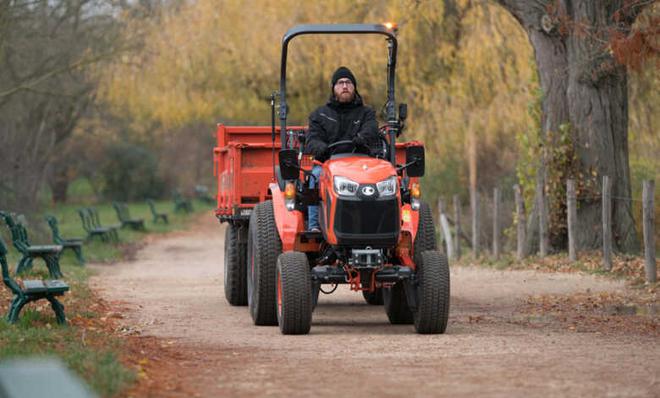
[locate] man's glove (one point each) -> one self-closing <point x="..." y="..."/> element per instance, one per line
<point x="358" y="140"/>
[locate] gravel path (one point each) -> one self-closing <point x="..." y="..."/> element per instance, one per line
<point x="173" y="290"/>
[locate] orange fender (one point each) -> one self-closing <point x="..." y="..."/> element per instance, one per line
<point x="289" y="223"/>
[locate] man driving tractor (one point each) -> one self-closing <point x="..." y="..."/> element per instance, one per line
<point x="343" y="117"/>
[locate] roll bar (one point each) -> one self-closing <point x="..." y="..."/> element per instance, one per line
<point x="388" y="30"/>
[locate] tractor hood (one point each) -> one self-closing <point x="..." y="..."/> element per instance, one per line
<point x="361" y="169"/>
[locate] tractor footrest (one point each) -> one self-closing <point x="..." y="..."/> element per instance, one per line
<point x="393" y="274"/>
<point x="328" y="274"/>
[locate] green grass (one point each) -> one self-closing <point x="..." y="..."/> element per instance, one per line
<point x="83" y="345"/>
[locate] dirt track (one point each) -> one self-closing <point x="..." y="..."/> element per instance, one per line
<point x="173" y="291"/>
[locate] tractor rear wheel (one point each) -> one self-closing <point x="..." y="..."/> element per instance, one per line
<point x="235" y="264"/>
<point x="396" y="305"/>
<point x="294" y="293"/>
<point x="373" y="298"/>
<point x="432" y="293"/>
<point x="425" y="238"/>
<point x="264" y="246"/>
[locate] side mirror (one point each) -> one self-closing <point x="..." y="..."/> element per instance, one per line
<point x="289" y="168"/>
<point x="415" y="161"/>
<point x="403" y="111"/>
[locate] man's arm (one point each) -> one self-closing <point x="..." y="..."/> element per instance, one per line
<point x="315" y="142"/>
<point x="369" y="129"/>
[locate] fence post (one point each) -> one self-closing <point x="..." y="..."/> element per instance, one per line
<point x="446" y="231"/>
<point x="543" y="220"/>
<point x="474" y="196"/>
<point x="649" y="226"/>
<point x="607" y="223"/>
<point x="571" y="213"/>
<point x="496" y="223"/>
<point x="457" y="226"/>
<point x="520" y="226"/>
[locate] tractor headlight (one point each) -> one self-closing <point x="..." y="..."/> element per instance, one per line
<point x="345" y="187"/>
<point x="387" y="187"/>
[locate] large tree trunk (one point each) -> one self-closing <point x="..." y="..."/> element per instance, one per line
<point x="585" y="91"/>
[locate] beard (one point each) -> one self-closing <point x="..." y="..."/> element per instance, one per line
<point x="345" y="97"/>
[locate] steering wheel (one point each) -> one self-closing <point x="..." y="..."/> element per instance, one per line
<point x="342" y="142"/>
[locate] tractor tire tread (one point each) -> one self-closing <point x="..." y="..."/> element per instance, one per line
<point x="267" y="247"/>
<point x="425" y="239"/>
<point x="296" y="314"/>
<point x="432" y="312"/>
<point x="235" y="278"/>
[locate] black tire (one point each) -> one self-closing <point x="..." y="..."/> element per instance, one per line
<point x="425" y="238"/>
<point x="264" y="246"/>
<point x="432" y="293"/>
<point x="396" y="305"/>
<point x="294" y="293"/>
<point x="394" y="298"/>
<point x="373" y="298"/>
<point x="235" y="264"/>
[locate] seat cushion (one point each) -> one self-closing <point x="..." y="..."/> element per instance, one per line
<point x="54" y="286"/>
<point x="45" y="249"/>
<point x="34" y="286"/>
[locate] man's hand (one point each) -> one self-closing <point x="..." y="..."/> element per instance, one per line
<point x="358" y="140"/>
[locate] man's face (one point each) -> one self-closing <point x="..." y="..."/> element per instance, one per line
<point x="344" y="90"/>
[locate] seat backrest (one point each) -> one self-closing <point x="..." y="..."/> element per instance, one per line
<point x="53" y="224"/>
<point x="18" y="233"/>
<point x="84" y="218"/>
<point x="94" y="217"/>
<point x="6" y="278"/>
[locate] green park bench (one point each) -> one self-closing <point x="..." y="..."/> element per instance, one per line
<point x="124" y="216"/>
<point x="49" y="253"/>
<point x="75" y="244"/>
<point x="103" y="233"/>
<point x="156" y="214"/>
<point x="32" y="290"/>
<point x="181" y="203"/>
<point x="96" y="221"/>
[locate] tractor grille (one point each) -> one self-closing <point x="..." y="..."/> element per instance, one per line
<point x="363" y="223"/>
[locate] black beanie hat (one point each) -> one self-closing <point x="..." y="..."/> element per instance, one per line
<point x="343" y="72"/>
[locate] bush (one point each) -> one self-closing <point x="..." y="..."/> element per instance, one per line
<point x="130" y="173"/>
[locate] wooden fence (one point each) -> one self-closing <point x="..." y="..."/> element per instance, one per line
<point x="453" y="239"/>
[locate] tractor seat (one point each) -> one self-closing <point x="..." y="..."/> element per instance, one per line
<point x="55" y="287"/>
<point x="54" y="249"/>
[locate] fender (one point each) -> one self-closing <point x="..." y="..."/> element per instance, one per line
<point x="289" y="223"/>
<point x="409" y="227"/>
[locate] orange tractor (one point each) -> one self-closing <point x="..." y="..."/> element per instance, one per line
<point x="376" y="235"/>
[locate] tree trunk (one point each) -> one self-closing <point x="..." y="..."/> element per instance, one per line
<point x="585" y="90"/>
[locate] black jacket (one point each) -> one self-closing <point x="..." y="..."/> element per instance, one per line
<point x="334" y="122"/>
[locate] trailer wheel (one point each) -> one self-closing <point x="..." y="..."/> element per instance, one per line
<point x="235" y="264"/>
<point x="264" y="246"/>
<point x="294" y="293"/>
<point x="425" y="238"/>
<point x="432" y="293"/>
<point x="396" y="305"/>
<point x="373" y="298"/>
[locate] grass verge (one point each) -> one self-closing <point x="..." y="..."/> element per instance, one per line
<point x="90" y="344"/>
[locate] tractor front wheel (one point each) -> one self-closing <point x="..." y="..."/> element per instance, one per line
<point x="294" y="293"/>
<point x="432" y="293"/>
<point x="264" y="246"/>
